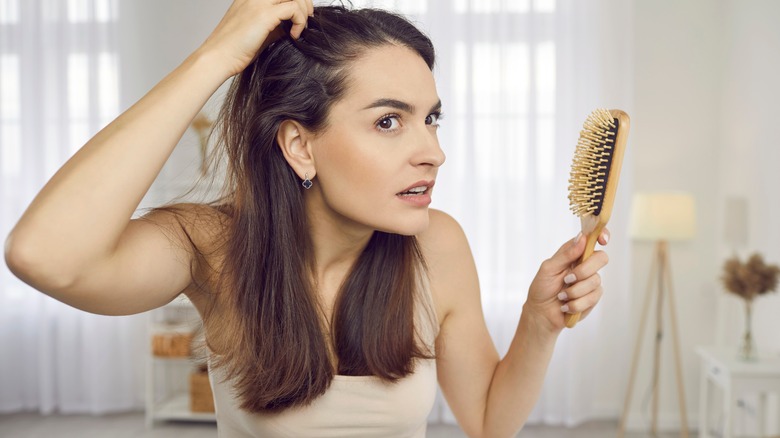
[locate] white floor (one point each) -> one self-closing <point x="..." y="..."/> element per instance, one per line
<point x="28" y="425"/>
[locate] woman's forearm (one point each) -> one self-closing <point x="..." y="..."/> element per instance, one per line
<point x="80" y="214"/>
<point x="518" y="378"/>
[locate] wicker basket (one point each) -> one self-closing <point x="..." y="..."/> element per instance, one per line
<point x="201" y="398"/>
<point x="171" y="344"/>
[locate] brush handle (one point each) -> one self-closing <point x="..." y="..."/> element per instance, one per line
<point x="590" y="245"/>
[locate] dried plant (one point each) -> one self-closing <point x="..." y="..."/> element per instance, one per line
<point x="751" y="278"/>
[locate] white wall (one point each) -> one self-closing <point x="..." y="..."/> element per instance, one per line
<point x="750" y="157"/>
<point x="750" y="139"/>
<point x="147" y="55"/>
<point x="706" y="76"/>
<point x="675" y="147"/>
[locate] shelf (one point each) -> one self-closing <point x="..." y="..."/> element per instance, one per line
<point x="166" y="327"/>
<point x="177" y="407"/>
<point x="166" y="376"/>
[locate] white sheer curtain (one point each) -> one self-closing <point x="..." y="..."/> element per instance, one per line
<point x="517" y="79"/>
<point x="59" y="86"/>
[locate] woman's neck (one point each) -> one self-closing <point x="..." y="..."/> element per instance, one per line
<point x="337" y="241"/>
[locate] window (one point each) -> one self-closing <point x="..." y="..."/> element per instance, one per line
<point x="10" y="129"/>
<point x="9" y="11"/>
<point x="59" y="80"/>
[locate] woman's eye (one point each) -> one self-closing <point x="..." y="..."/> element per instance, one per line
<point x="433" y="119"/>
<point x="389" y="123"/>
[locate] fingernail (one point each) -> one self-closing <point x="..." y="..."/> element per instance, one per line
<point x="606" y="238"/>
<point x="569" y="279"/>
<point x="565" y="308"/>
<point x="577" y="238"/>
<point x="562" y="296"/>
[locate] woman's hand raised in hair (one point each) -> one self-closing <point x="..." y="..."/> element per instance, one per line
<point x="560" y="287"/>
<point x="249" y="26"/>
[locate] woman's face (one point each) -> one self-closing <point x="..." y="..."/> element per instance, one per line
<point x="377" y="160"/>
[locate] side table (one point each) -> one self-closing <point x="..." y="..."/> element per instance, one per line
<point x="723" y="369"/>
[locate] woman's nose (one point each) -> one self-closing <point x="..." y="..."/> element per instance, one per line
<point x="429" y="152"/>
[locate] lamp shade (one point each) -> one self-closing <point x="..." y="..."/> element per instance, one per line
<point x="663" y="216"/>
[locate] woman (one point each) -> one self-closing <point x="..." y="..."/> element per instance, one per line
<point x="333" y="299"/>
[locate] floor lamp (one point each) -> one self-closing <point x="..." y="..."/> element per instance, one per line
<point x="660" y="217"/>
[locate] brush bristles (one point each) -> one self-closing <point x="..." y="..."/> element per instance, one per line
<point x="590" y="166"/>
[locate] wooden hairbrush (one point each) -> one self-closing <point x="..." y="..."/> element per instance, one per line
<point x="595" y="172"/>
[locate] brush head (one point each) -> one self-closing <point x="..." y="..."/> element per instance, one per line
<point x="592" y="164"/>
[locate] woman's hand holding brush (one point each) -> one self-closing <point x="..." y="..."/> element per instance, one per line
<point x="561" y="287"/>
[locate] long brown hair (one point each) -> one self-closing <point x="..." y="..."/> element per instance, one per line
<point x="275" y="345"/>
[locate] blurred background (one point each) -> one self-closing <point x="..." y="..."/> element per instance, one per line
<point x="517" y="78"/>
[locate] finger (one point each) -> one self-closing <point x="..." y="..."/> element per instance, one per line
<point x="604" y="237"/>
<point x="582" y="304"/>
<point x="567" y="254"/>
<point x="580" y="288"/>
<point x="299" y="19"/>
<point x="304" y="7"/>
<point x="589" y="267"/>
<point x="310" y="7"/>
<point x="292" y="11"/>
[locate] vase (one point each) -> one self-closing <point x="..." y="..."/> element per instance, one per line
<point x="747" y="350"/>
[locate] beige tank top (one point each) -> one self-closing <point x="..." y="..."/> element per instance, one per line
<point x="353" y="406"/>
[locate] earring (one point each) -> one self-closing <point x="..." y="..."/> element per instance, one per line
<point x="307" y="182"/>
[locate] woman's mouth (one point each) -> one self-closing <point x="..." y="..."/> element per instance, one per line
<point x="415" y="191"/>
<point x="418" y="194"/>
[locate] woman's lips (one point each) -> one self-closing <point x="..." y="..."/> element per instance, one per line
<point x="417" y="194"/>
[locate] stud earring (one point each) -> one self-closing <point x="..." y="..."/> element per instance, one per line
<point x="307" y="182"/>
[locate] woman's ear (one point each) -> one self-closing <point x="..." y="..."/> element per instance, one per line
<point x="294" y="141"/>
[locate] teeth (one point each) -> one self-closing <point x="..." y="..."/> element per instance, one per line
<point x="415" y="191"/>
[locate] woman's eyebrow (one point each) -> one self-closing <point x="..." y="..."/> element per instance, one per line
<point x="399" y="105"/>
<point x="392" y="103"/>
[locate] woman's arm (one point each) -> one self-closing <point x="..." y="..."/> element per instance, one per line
<point x="76" y="241"/>
<point x="492" y="397"/>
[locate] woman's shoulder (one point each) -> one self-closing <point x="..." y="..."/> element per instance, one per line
<point x="199" y="227"/>
<point x="203" y="229"/>
<point x="443" y="234"/>
<point x="450" y="263"/>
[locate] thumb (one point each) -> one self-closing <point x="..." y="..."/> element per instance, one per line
<point x="567" y="254"/>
